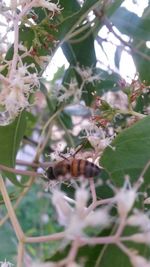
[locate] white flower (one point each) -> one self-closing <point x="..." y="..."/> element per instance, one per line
<point x="87" y="74"/>
<point x="100" y="217"/>
<point x="73" y="264"/>
<point x="15" y="92"/>
<point x="139" y="219"/>
<point x="64" y="210"/>
<point x="81" y="197"/>
<point x="140" y="238"/>
<point x="125" y="199"/>
<point x="63" y="94"/>
<point x="15" y="102"/>
<point x="76" y="219"/>
<point x="97" y="137"/>
<point x="48" y="5"/>
<point x="147" y="200"/>
<point x="6" y="264"/>
<point x="22" y="47"/>
<point x="139" y="261"/>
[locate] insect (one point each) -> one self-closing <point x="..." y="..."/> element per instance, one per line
<point x="72" y="167"/>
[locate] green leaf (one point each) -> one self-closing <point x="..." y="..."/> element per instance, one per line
<point x="107" y="82"/>
<point x="110" y="254"/>
<point x="72" y="15"/>
<point x="142" y="62"/>
<point x="130" y="154"/>
<point x="27" y="36"/>
<point x="130" y="24"/>
<point x="31" y="121"/>
<point x="66" y="119"/>
<point x="83" y="52"/>
<point x="10" y="138"/>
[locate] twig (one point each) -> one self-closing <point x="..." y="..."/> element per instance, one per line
<point x="125" y="249"/>
<point x="47" y="238"/>
<point x="99" y="240"/>
<point x="22" y="172"/>
<point x="110" y="28"/>
<point x="16" y="45"/>
<point x="121" y="227"/>
<point x="33" y="164"/>
<point x="72" y="254"/>
<point x="11" y="213"/>
<point x="145" y="169"/>
<point x="20" y="254"/>
<point x="92" y="187"/>
<point x="99" y="203"/>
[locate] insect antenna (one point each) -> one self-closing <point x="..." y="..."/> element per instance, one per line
<point x="80" y="147"/>
<point x="62" y="156"/>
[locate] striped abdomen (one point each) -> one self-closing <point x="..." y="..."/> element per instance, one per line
<point x="73" y="168"/>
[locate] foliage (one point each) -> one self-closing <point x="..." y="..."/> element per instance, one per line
<point x="88" y="104"/>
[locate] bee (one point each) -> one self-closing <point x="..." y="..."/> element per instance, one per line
<point x="71" y="167"/>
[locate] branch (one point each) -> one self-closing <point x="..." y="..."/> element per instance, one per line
<point x="11" y="213"/>
<point x="109" y="26"/>
<point x="46" y="238"/>
<point x="16" y="171"/>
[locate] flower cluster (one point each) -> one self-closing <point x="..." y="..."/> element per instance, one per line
<point x="14" y="96"/>
<point x="21" y="79"/>
<point x="87" y="74"/>
<point x="6" y="264"/>
<point x="28" y="4"/>
<point x="63" y="93"/>
<point x="98" y="137"/>
<point x="75" y="215"/>
<point x="76" y="218"/>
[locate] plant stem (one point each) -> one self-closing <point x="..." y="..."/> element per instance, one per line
<point x="46" y="238"/>
<point x="16" y="171"/>
<point x="20" y="254"/>
<point x="11" y="213"/>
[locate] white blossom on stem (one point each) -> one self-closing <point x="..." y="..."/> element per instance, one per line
<point x="64" y="210"/>
<point x="15" y="102"/>
<point x="139" y="261"/>
<point x="141" y="238"/>
<point x="76" y="219"/>
<point x="53" y="7"/>
<point x="139" y="219"/>
<point x="14" y="96"/>
<point x="87" y="74"/>
<point x="6" y="264"/>
<point x="63" y="93"/>
<point x="125" y="198"/>
<point x="97" y="137"/>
